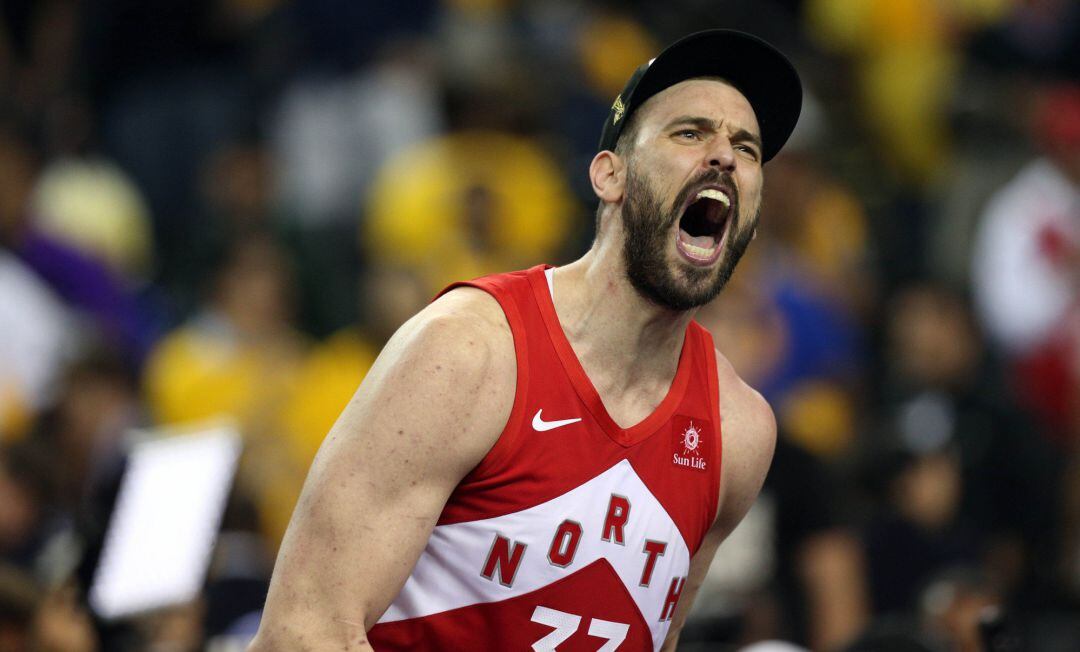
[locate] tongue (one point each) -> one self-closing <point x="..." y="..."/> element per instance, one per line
<point x="702" y="241"/>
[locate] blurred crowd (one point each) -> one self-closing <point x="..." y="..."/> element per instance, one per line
<point x="223" y="208"/>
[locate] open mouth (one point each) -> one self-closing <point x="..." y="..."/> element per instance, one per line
<point x="703" y="226"/>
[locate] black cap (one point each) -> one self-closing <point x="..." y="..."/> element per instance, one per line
<point x="761" y="73"/>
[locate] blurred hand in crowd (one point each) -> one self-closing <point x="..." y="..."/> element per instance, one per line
<point x="62" y="624"/>
<point x="175" y="629"/>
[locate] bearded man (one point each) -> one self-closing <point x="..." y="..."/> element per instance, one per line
<point x="548" y="459"/>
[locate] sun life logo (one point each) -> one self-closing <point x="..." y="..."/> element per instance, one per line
<point x="691" y="438"/>
<point x="688" y="448"/>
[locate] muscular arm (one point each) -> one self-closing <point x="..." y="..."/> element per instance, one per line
<point x="430" y="408"/>
<point x="749" y="439"/>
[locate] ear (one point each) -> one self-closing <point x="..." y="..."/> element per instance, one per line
<point x="607" y="172"/>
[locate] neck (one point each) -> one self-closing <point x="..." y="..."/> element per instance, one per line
<point x="621" y="338"/>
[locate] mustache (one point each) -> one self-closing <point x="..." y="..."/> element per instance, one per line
<point x="711" y="177"/>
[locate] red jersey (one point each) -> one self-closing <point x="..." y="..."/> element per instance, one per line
<point x="572" y="533"/>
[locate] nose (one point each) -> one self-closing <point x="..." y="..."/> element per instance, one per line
<point x="722" y="156"/>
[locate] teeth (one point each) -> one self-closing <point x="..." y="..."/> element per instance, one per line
<point x="700" y="252"/>
<point x="710" y="193"/>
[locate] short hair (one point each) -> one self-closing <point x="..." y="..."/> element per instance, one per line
<point x="625" y="144"/>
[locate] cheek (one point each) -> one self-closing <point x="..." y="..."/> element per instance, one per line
<point x="750" y="191"/>
<point x="671" y="169"/>
<point x="752" y="177"/>
<point x="653" y="182"/>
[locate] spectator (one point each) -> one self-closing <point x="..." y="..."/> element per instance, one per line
<point x="466" y="204"/>
<point x="26" y="492"/>
<point x="967" y="480"/>
<point x="84" y="283"/>
<point x="239" y="358"/>
<point x="1026" y="267"/>
<point x="93" y="206"/>
<point x="38" y="340"/>
<point x="795" y="571"/>
<point x="87" y="427"/>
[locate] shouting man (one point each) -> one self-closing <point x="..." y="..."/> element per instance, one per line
<point x="548" y="459"/>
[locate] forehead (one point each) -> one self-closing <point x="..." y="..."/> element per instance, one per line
<point x="705" y="97"/>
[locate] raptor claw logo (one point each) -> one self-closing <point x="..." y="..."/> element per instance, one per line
<point x="619" y="108"/>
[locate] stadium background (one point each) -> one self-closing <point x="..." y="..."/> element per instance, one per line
<point x="224" y="207"/>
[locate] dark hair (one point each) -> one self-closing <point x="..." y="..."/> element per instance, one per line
<point x="625" y="144"/>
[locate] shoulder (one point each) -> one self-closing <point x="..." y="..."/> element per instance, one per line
<point x="466" y="327"/>
<point x="450" y="371"/>
<point x="469" y="307"/>
<point x="743" y="406"/>
<point x="749" y="435"/>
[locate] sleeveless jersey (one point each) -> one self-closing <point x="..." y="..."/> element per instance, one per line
<point x="572" y="533"/>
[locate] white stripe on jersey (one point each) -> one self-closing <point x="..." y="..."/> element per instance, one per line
<point x="448" y="573"/>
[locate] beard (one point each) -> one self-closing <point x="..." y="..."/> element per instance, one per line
<point x="648" y="229"/>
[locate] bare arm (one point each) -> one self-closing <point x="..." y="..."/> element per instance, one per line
<point x="430" y="408"/>
<point x="749" y="439"/>
<point x="832" y="570"/>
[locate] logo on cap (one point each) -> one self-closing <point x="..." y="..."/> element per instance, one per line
<point x="619" y="108"/>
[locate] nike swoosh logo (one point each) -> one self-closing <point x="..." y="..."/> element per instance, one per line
<point x="540" y="425"/>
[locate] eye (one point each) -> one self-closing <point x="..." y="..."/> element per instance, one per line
<point x="748" y="150"/>
<point x="688" y="134"/>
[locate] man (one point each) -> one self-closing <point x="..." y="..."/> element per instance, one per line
<point x="534" y="461"/>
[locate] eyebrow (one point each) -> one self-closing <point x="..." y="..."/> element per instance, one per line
<point x="744" y="136"/>
<point x="696" y="121"/>
<point x="740" y="135"/>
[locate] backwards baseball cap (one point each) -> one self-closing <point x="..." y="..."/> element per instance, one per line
<point x="761" y="73"/>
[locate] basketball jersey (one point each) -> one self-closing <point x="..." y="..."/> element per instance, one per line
<point x="572" y="533"/>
